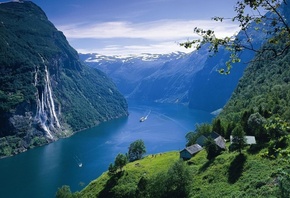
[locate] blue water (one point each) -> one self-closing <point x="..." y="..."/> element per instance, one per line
<point x="41" y="171"/>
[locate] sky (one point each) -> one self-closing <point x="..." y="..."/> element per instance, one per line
<point x="122" y="27"/>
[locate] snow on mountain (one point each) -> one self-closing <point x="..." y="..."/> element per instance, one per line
<point x="95" y="57"/>
<point x="150" y="77"/>
<point x="178" y="77"/>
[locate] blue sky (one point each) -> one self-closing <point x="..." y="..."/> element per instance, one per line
<point x="115" y="27"/>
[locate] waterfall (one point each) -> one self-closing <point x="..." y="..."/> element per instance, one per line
<point x="36" y="75"/>
<point x="49" y="99"/>
<point x="46" y="115"/>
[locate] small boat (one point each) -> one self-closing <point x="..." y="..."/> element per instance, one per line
<point x="142" y="119"/>
<point x="78" y="161"/>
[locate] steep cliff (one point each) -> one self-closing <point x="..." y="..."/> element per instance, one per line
<point x="45" y="91"/>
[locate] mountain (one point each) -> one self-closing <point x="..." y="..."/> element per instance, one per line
<point x="209" y="89"/>
<point x="191" y="79"/>
<point x="46" y="92"/>
<point x="150" y="77"/>
<point x="261" y="170"/>
<point x="259" y="106"/>
<point x="264" y="88"/>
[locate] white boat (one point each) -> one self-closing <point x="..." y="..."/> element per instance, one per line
<point x="142" y="119"/>
<point x="78" y="161"/>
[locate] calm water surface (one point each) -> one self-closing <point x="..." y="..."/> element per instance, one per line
<point x="40" y="171"/>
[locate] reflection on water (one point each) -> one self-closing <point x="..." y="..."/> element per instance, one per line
<point x="39" y="172"/>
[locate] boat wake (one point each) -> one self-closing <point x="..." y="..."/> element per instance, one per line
<point x="78" y="161"/>
<point x="142" y="119"/>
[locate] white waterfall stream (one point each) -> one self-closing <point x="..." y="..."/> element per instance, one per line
<point x="46" y="115"/>
<point x="36" y="75"/>
<point x="49" y="99"/>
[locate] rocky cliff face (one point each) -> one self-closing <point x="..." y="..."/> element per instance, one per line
<point x="45" y="91"/>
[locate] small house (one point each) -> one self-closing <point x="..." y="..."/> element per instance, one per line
<point x="220" y="142"/>
<point x="190" y="151"/>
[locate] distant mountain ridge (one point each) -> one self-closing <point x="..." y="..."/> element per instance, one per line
<point x="46" y="92"/>
<point x="149" y="77"/>
<point x="95" y="57"/>
<point x="191" y="79"/>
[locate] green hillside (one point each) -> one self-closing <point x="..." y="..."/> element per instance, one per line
<point x="258" y="107"/>
<point x="264" y="88"/>
<point x="46" y="92"/>
<point x="163" y="175"/>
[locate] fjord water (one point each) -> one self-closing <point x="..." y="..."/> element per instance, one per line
<point x="41" y="171"/>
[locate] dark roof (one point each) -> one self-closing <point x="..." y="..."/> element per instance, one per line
<point x="213" y="135"/>
<point x="194" y="149"/>
<point x="201" y="140"/>
<point x="220" y="142"/>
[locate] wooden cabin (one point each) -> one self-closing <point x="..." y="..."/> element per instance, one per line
<point x="190" y="151"/>
<point x="220" y="142"/>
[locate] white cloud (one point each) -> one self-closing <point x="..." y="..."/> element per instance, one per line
<point x="156" y="30"/>
<point x="151" y="37"/>
<point x="160" y="48"/>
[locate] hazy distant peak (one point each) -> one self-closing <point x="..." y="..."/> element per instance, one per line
<point x="95" y="57"/>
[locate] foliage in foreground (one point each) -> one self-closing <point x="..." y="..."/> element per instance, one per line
<point x="136" y="150"/>
<point x="274" y="24"/>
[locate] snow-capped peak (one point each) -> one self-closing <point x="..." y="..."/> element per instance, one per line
<point x="95" y="57"/>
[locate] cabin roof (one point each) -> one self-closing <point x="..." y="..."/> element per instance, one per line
<point x="201" y="140"/>
<point x="194" y="149"/>
<point x="220" y="142"/>
<point x="213" y="135"/>
<point x="249" y="139"/>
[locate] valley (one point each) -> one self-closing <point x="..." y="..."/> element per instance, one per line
<point x="39" y="172"/>
<point x="67" y="115"/>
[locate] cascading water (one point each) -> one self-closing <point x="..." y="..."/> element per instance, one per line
<point x="46" y="116"/>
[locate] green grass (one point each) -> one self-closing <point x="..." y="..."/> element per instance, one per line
<point x="229" y="175"/>
<point x="234" y="175"/>
<point x="150" y="166"/>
